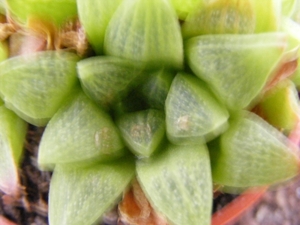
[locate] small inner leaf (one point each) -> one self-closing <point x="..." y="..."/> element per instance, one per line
<point x="143" y="131"/>
<point x="193" y="114"/>
<point x="280" y="106"/>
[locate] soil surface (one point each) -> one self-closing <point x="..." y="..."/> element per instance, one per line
<point x="279" y="206"/>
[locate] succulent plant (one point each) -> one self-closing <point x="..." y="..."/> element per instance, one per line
<point x="150" y="104"/>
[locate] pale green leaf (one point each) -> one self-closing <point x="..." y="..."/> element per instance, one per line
<point x="34" y="86"/>
<point x="253" y="153"/>
<point x="79" y="132"/>
<point x="55" y="11"/>
<point x="288" y="7"/>
<point x="143" y="131"/>
<point x="94" y="17"/>
<point x="4" y="51"/>
<point x="178" y="184"/>
<point x="236" y="67"/>
<point x="12" y="139"/>
<point x="108" y="79"/>
<point x="280" y="106"/>
<point x="193" y="114"/>
<point x="155" y="89"/>
<point x="146" y="31"/>
<point x="81" y="195"/>
<point x="267" y="15"/>
<point x="220" y="17"/>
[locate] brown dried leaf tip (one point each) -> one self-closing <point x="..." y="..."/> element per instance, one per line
<point x="135" y="209"/>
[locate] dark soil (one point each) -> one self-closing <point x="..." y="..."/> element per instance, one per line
<point x="279" y="206"/>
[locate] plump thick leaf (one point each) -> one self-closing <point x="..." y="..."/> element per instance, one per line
<point x="94" y="17"/>
<point x="108" y="79"/>
<point x="56" y="11"/>
<point x="178" y="184"/>
<point x="81" y="195"/>
<point x="236" y="67"/>
<point x="220" y="17"/>
<point x="267" y="15"/>
<point x="253" y="153"/>
<point x="156" y="88"/>
<point x="12" y="138"/>
<point x="79" y="132"/>
<point x="34" y="86"/>
<point x="3" y="51"/>
<point x="143" y="131"/>
<point x="192" y="112"/>
<point x="280" y="106"/>
<point x="146" y="31"/>
<point x="288" y="7"/>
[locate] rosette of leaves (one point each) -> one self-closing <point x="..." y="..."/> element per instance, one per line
<point x="177" y="106"/>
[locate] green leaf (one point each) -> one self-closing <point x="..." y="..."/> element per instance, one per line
<point x="184" y="7"/>
<point x="56" y="11"/>
<point x="12" y="138"/>
<point x="292" y="30"/>
<point x="81" y="195"/>
<point x="253" y="153"/>
<point x="155" y="89"/>
<point x="178" y="184"/>
<point x="288" y="7"/>
<point x="267" y="15"/>
<point x="43" y="80"/>
<point x="146" y="31"/>
<point x="143" y="131"/>
<point x="280" y="106"/>
<point x="192" y="112"/>
<point x="4" y="51"/>
<point x="220" y="17"/>
<point x="78" y="133"/>
<point x="108" y="79"/>
<point x="94" y="17"/>
<point x="236" y="67"/>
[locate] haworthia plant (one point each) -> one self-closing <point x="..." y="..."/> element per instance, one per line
<point x="12" y="138"/>
<point x="178" y="183"/>
<point x="239" y="63"/>
<point x="143" y="131"/>
<point x="253" y="153"/>
<point x="145" y="31"/>
<point x="94" y="136"/>
<point x="34" y="86"/>
<point x="193" y="114"/>
<point x="80" y="195"/>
